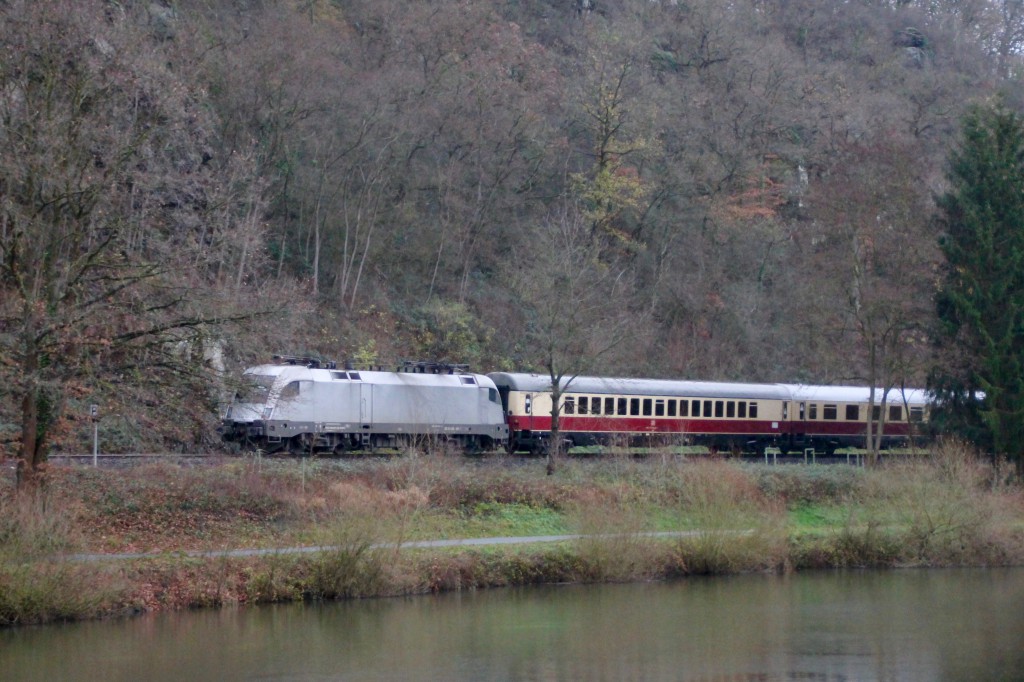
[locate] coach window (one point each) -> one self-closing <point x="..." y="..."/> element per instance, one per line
<point x="741" y="410"/>
<point x="876" y="413"/>
<point x="696" y="408"/>
<point x="569" y="406"/>
<point x="753" y="410"/>
<point x="684" y="408"/>
<point x="830" y="412"/>
<point x="609" y="405"/>
<point x="621" y="410"/>
<point x="730" y="409"/>
<point x="707" y="408"/>
<point x="634" y="407"/>
<point x="584" y="404"/>
<point x="719" y="408"/>
<point x="917" y="414"/>
<point x="852" y="413"/>
<point x="895" y="413"/>
<point x="595" y="406"/>
<point x="672" y="408"/>
<point x="659" y="408"/>
<point x="812" y="411"/>
<point x="647" y="407"/>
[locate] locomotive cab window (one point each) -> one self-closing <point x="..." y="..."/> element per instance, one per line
<point x="290" y="390"/>
<point x="469" y="381"/>
<point x="254" y="388"/>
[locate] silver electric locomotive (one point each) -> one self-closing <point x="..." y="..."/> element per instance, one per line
<point x="299" y="406"/>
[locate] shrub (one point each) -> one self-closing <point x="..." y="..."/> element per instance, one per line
<point x="795" y="485"/>
<point x="352" y="564"/>
<point x="738" y="528"/>
<point x="34" y="587"/>
<point x="612" y="547"/>
<point x="32" y="593"/>
<point x="945" y="511"/>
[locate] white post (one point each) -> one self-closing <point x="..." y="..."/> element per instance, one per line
<point x="94" y="413"/>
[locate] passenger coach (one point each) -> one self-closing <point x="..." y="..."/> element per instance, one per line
<point x="723" y="416"/>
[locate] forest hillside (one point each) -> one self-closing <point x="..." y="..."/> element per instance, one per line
<point x="706" y="189"/>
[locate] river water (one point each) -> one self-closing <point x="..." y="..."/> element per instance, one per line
<point x="895" y="625"/>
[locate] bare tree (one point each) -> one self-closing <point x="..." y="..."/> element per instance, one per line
<point x="578" y="298"/>
<point x="100" y="171"/>
<point x="873" y="213"/>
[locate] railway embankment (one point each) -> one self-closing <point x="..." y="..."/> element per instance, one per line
<point x="369" y="526"/>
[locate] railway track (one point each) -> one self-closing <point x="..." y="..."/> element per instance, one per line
<point x="113" y="461"/>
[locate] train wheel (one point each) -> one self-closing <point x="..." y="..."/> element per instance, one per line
<point x="298" y="446"/>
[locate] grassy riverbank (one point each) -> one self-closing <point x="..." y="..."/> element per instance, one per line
<point x="949" y="510"/>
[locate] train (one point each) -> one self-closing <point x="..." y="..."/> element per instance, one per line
<point x="301" y="405"/>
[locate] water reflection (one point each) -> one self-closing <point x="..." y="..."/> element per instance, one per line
<point x="909" y="625"/>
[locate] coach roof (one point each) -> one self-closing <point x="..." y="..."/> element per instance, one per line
<point x="540" y="383"/>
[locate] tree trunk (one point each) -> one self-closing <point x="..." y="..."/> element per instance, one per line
<point x="555" y="444"/>
<point x="31" y="456"/>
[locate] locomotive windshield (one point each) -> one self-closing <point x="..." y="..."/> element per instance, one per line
<point x="254" y="389"/>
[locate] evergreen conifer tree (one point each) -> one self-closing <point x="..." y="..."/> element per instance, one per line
<point x="981" y="302"/>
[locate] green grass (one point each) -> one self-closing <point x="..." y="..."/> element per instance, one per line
<point x="817" y="517"/>
<point x="494" y="518"/>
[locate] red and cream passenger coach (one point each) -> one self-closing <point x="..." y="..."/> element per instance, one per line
<point x="727" y="416"/>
